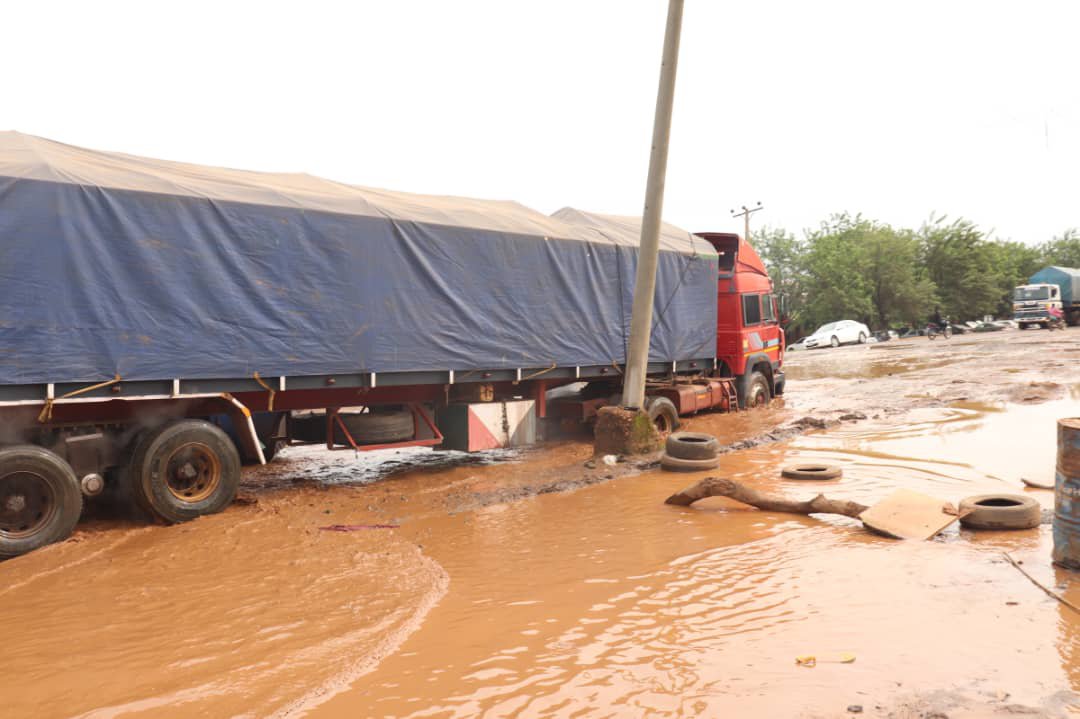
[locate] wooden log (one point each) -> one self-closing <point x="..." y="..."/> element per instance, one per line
<point x="717" y="487"/>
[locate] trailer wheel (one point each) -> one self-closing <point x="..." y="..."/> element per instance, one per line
<point x="40" y="499"/>
<point x="663" y="414"/>
<point x="184" y="470"/>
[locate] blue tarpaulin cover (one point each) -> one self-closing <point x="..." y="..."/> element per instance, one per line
<point x="1067" y="278"/>
<point x="115" y="264"/>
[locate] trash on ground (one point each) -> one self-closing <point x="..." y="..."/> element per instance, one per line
<point x="902" y="515"/>
<point x="909" y="515"/>
<point x="357" y="527"/>
<point x="690" y="452"/>
<point x="1000" y="511"/>
<point x="811" y="471"/>
<point x="1037" y="485"/>
<point x="1040" y="585"/>
<point x="810" y="660"/>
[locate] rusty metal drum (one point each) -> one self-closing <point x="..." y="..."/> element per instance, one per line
<point x="1067" y="495"/>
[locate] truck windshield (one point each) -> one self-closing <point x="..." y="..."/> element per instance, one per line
<point x="1024" y="294"/>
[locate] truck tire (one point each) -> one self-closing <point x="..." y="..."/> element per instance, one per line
<point x="184" y="470"/>
<point x="862" y="338"/>
<point x="834" y="341"/>
<point x="663" y="414"/>
<point x="376" y="427"/>
<point x="753" y="391"/>
<point x="675" y="464"/>
<point x="40" y="499"/>
<point x="691" y="445"/>
<point x="379" y="426"/>
<point x="811" y="471"/>
<point x="1001" y="511"/>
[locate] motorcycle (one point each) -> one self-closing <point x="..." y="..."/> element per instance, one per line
<point x="933" y="330"/>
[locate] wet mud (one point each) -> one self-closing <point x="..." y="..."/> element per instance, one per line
<point x="531" y="583"/>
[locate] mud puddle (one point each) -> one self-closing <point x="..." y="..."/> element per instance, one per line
<point x="493" y="597"/>
<point x="605" y="602"/>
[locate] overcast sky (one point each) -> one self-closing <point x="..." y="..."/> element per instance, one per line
<point x="891" y="109"/>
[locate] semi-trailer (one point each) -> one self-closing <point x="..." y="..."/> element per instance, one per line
<point x="161" y="323"/>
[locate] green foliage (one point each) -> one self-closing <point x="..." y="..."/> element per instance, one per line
<point x="1063" y="251"/>
<point x="782" y="254"/>
<point x="855" y="268"/>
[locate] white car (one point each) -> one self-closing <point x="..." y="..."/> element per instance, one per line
<point x="834" y="334"/>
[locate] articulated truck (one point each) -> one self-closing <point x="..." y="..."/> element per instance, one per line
<point x="1049" y="288"/>
<point x="162" y="323"/>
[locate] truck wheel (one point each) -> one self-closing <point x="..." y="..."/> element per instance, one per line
<point x="834" y="342"/>
<point x="40" y="499"/>
<point x="862" y="338"/>
<point x="663" y="414"/>
<point x="756" y="392"/>
<point x="184" y="470"/>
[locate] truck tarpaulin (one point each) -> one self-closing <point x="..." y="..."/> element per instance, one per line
<point x="114" y="264"/>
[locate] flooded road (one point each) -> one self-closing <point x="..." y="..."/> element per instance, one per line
<point x="490" y="595"/>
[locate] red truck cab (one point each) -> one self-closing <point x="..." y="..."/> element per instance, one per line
<point x="749" y="338"/>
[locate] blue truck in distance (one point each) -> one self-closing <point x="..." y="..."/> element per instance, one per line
<point x="1049" y="287"/>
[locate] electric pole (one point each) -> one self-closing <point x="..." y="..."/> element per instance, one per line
<point x="645" y="282"/>
<point x="745" y="214"/>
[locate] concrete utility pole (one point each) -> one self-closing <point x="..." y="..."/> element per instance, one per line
<point x="645" y="284"/>
<point x="745" y="214"/>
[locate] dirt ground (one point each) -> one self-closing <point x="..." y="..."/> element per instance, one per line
<point x="540" y="583"/>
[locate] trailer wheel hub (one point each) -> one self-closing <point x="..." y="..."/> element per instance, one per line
<point x="193" y="472"/>
<point x="27" y="501"/>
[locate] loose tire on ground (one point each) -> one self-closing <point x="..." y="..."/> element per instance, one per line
<point x="810" y="470"/>
<point x="675" y="464"/>
<point x="184" y="470"/>
<point x="1001" y="511"/>
<point x="40" y="499"/>
<point x="663" y="414"/>
<point x="756" y="392"/>
<point x="691" y="445"/>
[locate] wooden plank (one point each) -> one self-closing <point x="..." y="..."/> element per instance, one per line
<point x="909" y="515"/>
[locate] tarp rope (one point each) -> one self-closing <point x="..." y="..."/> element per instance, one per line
<point x="46" y="411"/>
<point x="534" y="375"/>
<point x="268" y="388"/>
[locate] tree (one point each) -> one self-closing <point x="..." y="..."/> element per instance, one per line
<point x="783" y="254"/>
<point x="1063" y="250"/>
<point x="836" y="272"/>
<point x="866" y="270"/>
<point x="961" y="263"/>
<point x="1014" y="263"/>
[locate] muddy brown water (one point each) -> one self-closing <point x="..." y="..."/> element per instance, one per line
<point x="598" y="602"/>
